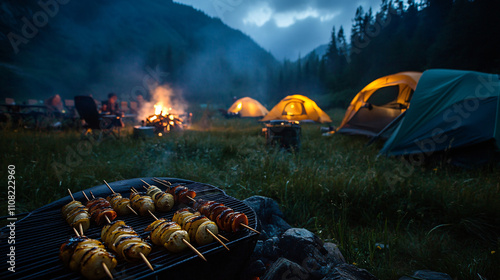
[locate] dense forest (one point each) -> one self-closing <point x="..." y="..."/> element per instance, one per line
<point x="402" y="36"/>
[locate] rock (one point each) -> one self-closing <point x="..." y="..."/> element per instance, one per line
<point x="265" y="207"/>
<point x="306" y="249"/>
<point x="270" y="249"/>
<point x="349" y="272"/>
<point x="428" y="275"/>
<point x="254" y="269"/>
<point x="334" y="256"/>
<point x="280" y="223"/>
<point x="297" y="237"/>
<point x="286" y="269"/>
<point x="269" y="215"/>
<point x="295" y="240"/>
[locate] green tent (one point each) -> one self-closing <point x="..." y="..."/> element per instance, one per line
<point x="450" y="110"/>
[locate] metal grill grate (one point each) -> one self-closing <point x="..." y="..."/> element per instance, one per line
<point x="42" y="232"/>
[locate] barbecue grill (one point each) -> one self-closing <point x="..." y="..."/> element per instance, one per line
<point x="40" y="234"/>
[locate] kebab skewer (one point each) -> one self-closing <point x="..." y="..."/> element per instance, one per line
<point x="131" y="246"/>
<point x="76" y="214"/>
<point x="141" y="202"/>
<point x="226" y="218"/>
<point x="199" y="228"/>
<point x="125" y="242"/>
<point x="99" y="208"/>
<point x="163" y="201"/>
<point x="170" y="235"/>
<point x="180" y="193"/>
<point x="87" y="256"/>
<point x="120" y="204"/>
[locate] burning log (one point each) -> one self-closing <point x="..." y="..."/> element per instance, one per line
<point x="163" y="121"/>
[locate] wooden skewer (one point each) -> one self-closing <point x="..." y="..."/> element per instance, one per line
<point x="153" y="215"/>
<point x="192" y="199"/>
<point x="245" y="226"/>
<point x="132" y="188"/>
<point x="146" y="261"/>
<point x="93" y="197"/>
<point x="194" y="249"/>
<point x="131" y="209"/>
<point x="109" y="186"/>
<point x="185" y="242"/>
<point x="165" y="183"/>
<point x="70" y="194"/>
<point x="85" y="196"/>
<point x="145" y="183"/>
<point x="107" y="219"/>
<point x="222" y="237"/>
<point x="216" y="238"/>
<point x="106" y="269"/>
<point x="113" y="191"/>
<point x="145" y="187"/>
<point x="76" y="232"/>
<point x="80" y="228"/>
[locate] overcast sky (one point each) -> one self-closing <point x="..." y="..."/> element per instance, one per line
<point x="285" y="27"/>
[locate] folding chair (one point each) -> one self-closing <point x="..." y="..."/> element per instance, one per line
<point x="10" y="101"/>
<point x="87" y="109"/>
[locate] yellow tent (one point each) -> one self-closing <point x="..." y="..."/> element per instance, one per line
<point x="248" y="107"/>
<point x="379" y="103"/>
<point x="297" y="108"/>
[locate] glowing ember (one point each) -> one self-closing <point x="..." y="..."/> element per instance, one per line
<point x="163" y="120"/>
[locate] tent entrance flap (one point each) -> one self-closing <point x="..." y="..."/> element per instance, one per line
<point x="297" y="108"/>
<point x="379" y="103"/>
<point x="294" y="108"/>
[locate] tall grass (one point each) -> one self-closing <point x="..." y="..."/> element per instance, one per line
<point x="439" y="218"/>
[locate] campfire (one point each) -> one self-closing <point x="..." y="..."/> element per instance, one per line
<point x="163" y="120"/>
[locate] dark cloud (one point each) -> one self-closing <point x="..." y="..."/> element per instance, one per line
<point x="287" y="28"/>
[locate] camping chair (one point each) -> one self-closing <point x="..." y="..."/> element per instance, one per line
<point x="87" y="109"/>
<point x="10" y="101"/>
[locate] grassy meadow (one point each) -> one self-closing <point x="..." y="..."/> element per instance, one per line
<point x="387" y="216"/>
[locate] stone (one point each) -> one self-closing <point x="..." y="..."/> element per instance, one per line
<point x="269" y="216"/>
<point x="306" y="248"/>
<point x="427" y="275"/>
<point x="270" y="249"/>
<point x="334" y="256"/>
<point x="265" y="207"/>
<point x="295" y="239"/>
<point x="280" y="223"/>
<point x="349" y="272"/>
<point x="286" y="269"/>
<point x="254" y="269"/>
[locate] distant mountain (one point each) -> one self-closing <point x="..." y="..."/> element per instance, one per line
<point x="319" y="51"/>
<point x="123" y="46"/>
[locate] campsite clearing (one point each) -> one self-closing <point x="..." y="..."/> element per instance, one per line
<point x="426" y="217"/>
